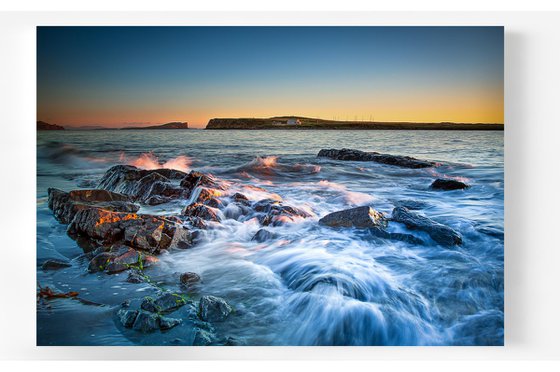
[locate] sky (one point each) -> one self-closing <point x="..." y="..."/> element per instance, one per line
<point x="134" y="76"/>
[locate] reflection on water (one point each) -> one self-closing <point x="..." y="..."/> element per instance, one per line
<point x="314" y="285"/>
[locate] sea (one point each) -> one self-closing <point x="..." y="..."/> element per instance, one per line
<point x="312" y="285"/>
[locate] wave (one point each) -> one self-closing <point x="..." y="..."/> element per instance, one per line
<point x="269" y="166"/>
<point x="150" y="161"/>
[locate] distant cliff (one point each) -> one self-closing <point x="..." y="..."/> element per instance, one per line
<point x="41" y="125"/>
<point x="283" y="122"/>
<point x="173" y="125"/>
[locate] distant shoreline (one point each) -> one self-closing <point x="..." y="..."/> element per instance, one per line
<point x="303" y="123"/>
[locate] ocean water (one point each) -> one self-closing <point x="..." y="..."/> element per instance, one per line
<point x="314" y="285"/>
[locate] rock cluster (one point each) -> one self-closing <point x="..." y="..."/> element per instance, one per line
<point x="357" y="155"/>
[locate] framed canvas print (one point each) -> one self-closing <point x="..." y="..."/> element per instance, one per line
<point x="283" y="186"/>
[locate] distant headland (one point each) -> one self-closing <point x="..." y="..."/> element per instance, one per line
<point x="41" y="125"/>
<point x="172" y="125"/>
<point x="300" y="122"/>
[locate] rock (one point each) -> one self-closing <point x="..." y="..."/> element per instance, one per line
<point x="240" y="198"/>
<point x="168" y="323"/>
<point x="201" y="211"/>
<point x="412" y="204"/>
<point x="135" y="277"/>
<point x="141" y="184"/>
<point x="359" y="217"/>
<point x="144" y="232"/>
<point x="65" y="205"/>
<point x="197" y="179"/>
<point x="127" y="317"/>
<point x="214" y="309"/>
<point x="182" y="238"/>
<point x="202" y="337"/>
<point x="274" y="213"/>
<point x="55" y="264"/>
<point x="382" y="233"/>
<point x="165" y="303"/>
<point x="448" y="184"/>
<point x="157" y="200"/>
<point x="357" y="155"/>
<point x="146" y="322"/>
<point x="442" y="234"/>
<point x="121" y="259"/>
<point x="189" y="278"/>
<point x="263" y="235"/>
<point x="232" y="341"/>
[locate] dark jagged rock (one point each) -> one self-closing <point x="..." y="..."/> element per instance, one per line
<point x="119" y="260"/>
<point x="196" y="179"/>
<point x="263" y="235"/>
<point x="412" y="204"/>
<point x="127" y="317"/>
<point x="146" y="322"/>
<point x="165" y="303"/>
<point x="213" y="309"/>
<point x="239" y="198"/>
<point x="55" y="264"/>
<point x="202" y="337"/>
<point x="382" y="233"/>
<point x="359" y="217"/>
<point x="144" y="232"/>
<point x="442" y="234"/>
<point x="448" y="184"/>
<point x="274" y="213"/>
<point x="135" y="277"/>
<point x="141" y="184"/>
<point x="166" y="323"/>
<point x="201" y="211"/>
<point x="65" y="205"/>
<point x="189" y="278"/>
<point x="41" y="125"/>
<point x="357" y="155"/>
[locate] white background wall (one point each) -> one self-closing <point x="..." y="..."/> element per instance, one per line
<point x="532" y="178"/>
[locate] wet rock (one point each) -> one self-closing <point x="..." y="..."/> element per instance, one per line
<point x="442" y="234"/>
<point x="65" y="205"/>
<point x="412" y="204"/>
<point x="232" y="341"/>
<point x="202" y="211"/>
<point x="165" y="303"/>
<point x="135" y="277"/>
<point x="144" y="232"/>
<point x="197" y="179"/>
<point x="263" y="235"/>
<point x="448" y="184"/>
<point x="273" y="212"/>
<point x="55" y="264"/>
<point x="119" y="260"/>
<point x="127" y="317"/>
<point x="157" y="200"/>
<point x="146" y="322"/>
<point x="382" y="233"/>
<point x="213" y="309"/>
<point x="359" y="217"/>
<point x="357" y="155"/>
<point x="182" y="238"/>
<point x="141" y="184"/>
<point x="202" y="337"/>
<point x="189" y="278"/>
<point x="240" y="198"/>
<point x="168" y="323"/>
<point x="214" y="203"/>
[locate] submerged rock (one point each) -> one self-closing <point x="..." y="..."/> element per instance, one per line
<point x="165" y="303"/>
<point x="442" y="234"/>
<point x="202" y="337"/>
<point x="412" y="204"/>
<point x="55" y="264"/>
<point x="168" y="323"/>
<point x="263" y="235"/>
<point x="189" y="278"/>
<point x="382" y="233"/>
<point x="120" y="259"/>
<point x="448" y="184"/>
<point x="127" y="317"/>
<point x="135" y="277"/>
<point x="213" y="309"/>
<point x="146" y="322"/>
<point x="359" y="217"/>
<point x="357" y="155"/>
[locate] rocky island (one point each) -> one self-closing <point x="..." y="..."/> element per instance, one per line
<point x="300" y="122"/>
<point x="41" y="125"/>
<point x="172" y="125"/>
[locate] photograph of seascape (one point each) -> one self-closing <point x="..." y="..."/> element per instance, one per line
<point x="282" y="186"/>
